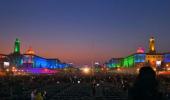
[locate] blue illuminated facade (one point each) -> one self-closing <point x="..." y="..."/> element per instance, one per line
<point x="39" y="62"/>
<point x="138" y="58"/>
<point x="30" y="60"/>
<point x="33" y="61"/>
<point x="167" y="58"/>
<point x="114" y="63"/>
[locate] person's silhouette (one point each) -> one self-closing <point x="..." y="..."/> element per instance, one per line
<point x="145" y="86"/>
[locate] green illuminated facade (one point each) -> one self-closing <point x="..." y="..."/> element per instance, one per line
<point x="17" y="46"/>
<point x="140" y="59"/>
<point x="128" y="61"/>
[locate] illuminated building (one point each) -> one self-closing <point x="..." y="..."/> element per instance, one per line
<point x="114" y="63"/>
<point x="167" y="61"/>
<point x="4" y="61"/>
<point x="141" y="58"/>
<point x="167" y="58"/>
<point x="152" y="45"/>
<point x="137" y="59"/>
<point x="152" y="59"/>
<point x="30" y="60"/>
<point x="16" y="59"/>
<point x="30" y="51"/>
<point x="17" y="46"/>
<point x="140" y="50"/>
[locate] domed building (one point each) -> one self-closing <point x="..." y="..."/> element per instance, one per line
<point x="140" y="50"/>
<point x="30" y="51"/>
<point x="140" y="58"/>
<point x="30" y="60"/>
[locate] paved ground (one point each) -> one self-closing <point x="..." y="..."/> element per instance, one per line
<point x="83" y="91"/>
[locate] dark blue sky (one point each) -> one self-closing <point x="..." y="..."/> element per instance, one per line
<point x="82" y="31"/>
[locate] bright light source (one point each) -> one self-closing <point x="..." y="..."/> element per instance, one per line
<point x="154" y="69"/>
<point x="14" y="70"/>
<point x="158" y="63"/>
<point x="97" y="84"/>
<point x="107" y="69"/>
<point x="96" y="63"/>
<point x="137" y="70"/>
<point x="78" y="82"/>
<point x="118" y="69"/>
<point x="13" y="67"/>
<point x="86" y="70"/>
<point x="167" y="65"/>
<point x="65" y="69"/>
<point x="168" y="69"/>
<point x="7" y="70"/>
<point x="6" y="64"/>
<point x="58" y="82"/>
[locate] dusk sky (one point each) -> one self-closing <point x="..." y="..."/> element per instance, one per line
<point x="84" y="31"/>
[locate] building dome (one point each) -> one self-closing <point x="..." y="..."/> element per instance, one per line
<point x="30" y="51"/>
<point x="140" y="50"/>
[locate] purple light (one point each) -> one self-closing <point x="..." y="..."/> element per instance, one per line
<point x="40" y="71"/>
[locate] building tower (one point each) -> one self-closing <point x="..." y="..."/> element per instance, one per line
<point x="152" y="45"/>
<point x="17" y="46"/>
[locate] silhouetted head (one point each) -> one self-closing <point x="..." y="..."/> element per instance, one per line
<point x="145" y="86"/>
<point x="146" y="78"/>
<point x="147" y="73"/>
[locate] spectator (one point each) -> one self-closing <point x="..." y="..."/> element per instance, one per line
<point x="33" y="94"/>
<point x="94" y="87"/>
<point x="145" y="86"/>
<point x="38" y="96"/>
<point x="44" y="95"/>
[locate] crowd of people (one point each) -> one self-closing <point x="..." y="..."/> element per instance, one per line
<point x="146" y="85"/>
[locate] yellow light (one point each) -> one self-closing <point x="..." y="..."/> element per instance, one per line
<point x="13" y="68"/>
<point x="168" y="69"/>
<point x="7" y="70"/>
<point x="118" y="69"/>
<point x="65" y="69"/>
<point x="167" y="65"/>
<point x="154" y="69"/>
<point x="153" y="48"/>
<point x="107" y="69"/>
<point x="86" y="70"/>
<point x="137" y="70"/>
